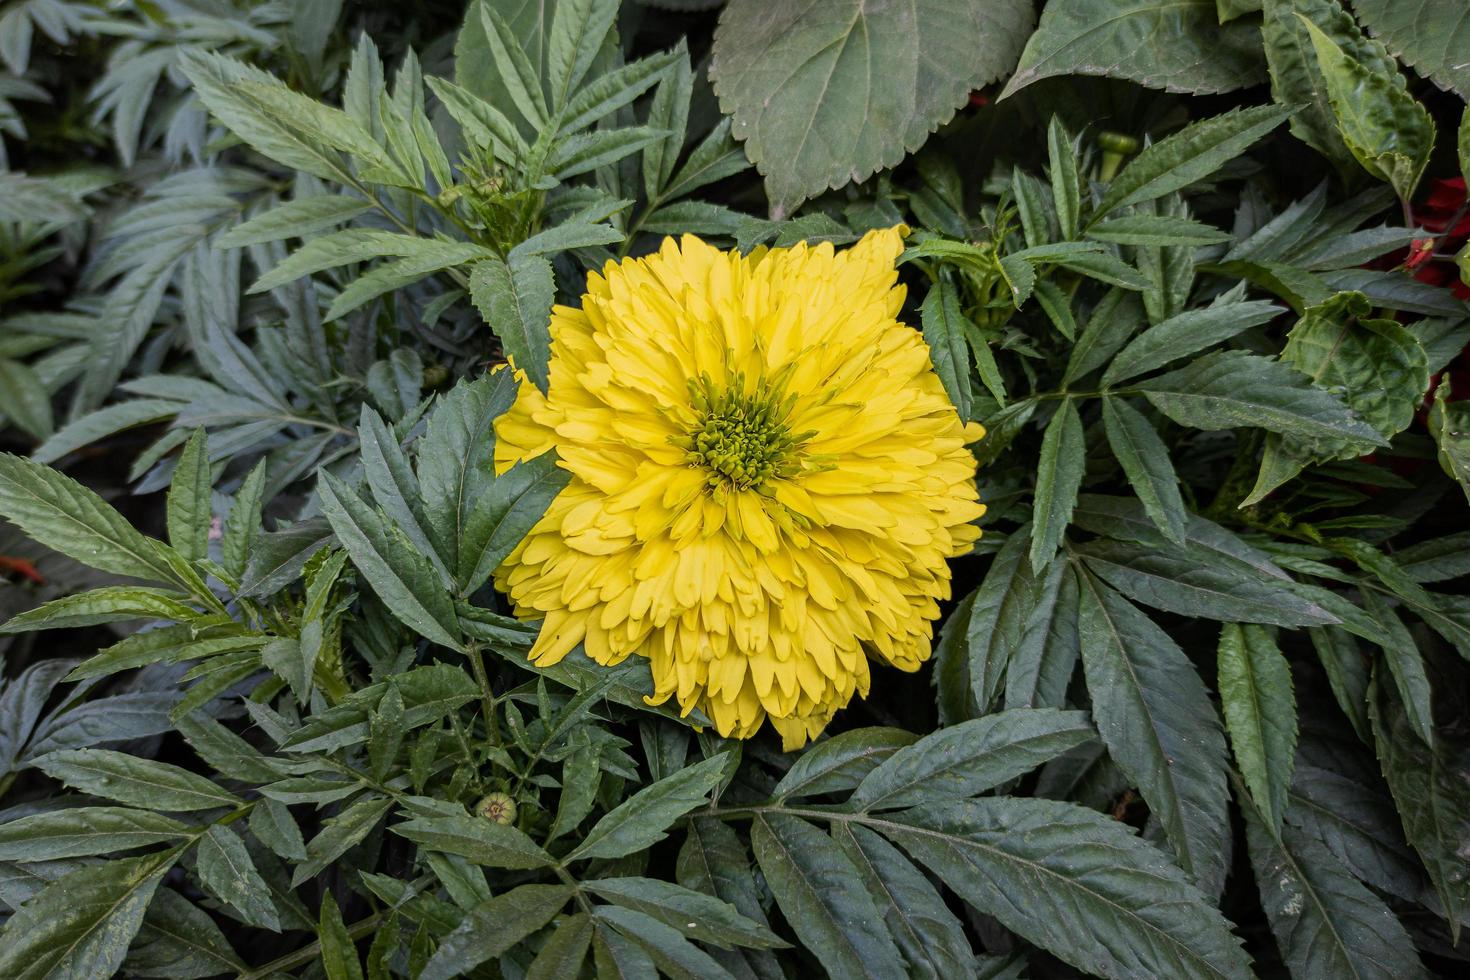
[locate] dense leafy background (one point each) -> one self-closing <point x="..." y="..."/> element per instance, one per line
<point x="1196" y="708"/>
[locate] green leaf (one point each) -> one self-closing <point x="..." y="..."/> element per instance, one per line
<point x="79" y="926"/>
<point x="563" y="952"/>
<point x="993" y="624"/>
<point x="1179" y="47"/>
<point x="242" y="528"/>
<point x="504" y="515"/>
<point x="1191" y="154"/>
<point x="1405" y="666"/>
<point x="338" y="951"/>
<point x="113" y="418"/>
<point x="429" y="693"/>
<point x="397" y="274"/>
<point x="1296" y="78"/>
<point x="1378" y="368"/>
<point x="1325" y="922"/>
<point x="181" y="940"/>
<point x="140" y="782"/>
<point x="1058" y="478"/>
<point x="189" y="509"/>
<point x="1433" y="798"/>
<point x="1449" y="423"/>
<point x="109" y="604"/>
<point x="641" y="820"/>
<point x="1156" y="230"/>
<point x="1387" y="131"/>
<point x="1074" y="882"/>
<point x="226" y="870"/>
<point x="944" y="333"/>
<point x="829" y="93"/>
<point x="669" y="951"/>
<point x="1185" y="334"/>
<point x="1357" y="823"/>
<point x="394" y="487"/>
<point x="578" y="28"/>
<point x="1117" y="315"/>
<point x="491" y="928"/>
<point x="340" y="833"/>
<point x="1155" y="717"/>
<point x="402" y="577"/>
<point x="696" y="915"/>
<point x="604" y="96"/>
<point x="1229" y="389"/>
<point x="715" y="861"/>
<point x="840" y="762"/>
<point x="930" y="937"/>
<point x="1260" y="715"/>
<point x="515" y="299"/>
<point x="25" y="399"/>
<point x="1192" y="582"/>
<point x="294" y="219"/>
<point x="85" y="831"/>
<point x="1066" y="186"/>
<point x="63" y="515"/>
<point x="969" y="758"/>
<point x="824" y="898"/>
<point x="1429" y="35"/>
<point x="482" y="841"/>
<point x="1145" y="461"/>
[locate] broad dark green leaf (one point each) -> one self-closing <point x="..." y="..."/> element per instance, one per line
<point x="1074" y="882"/>
<point x="181" y="941"/>
<point x="1356" y="821"/>
<point x="828" y="93"/>
<point x="1155" y="716"/>
<point x="1429" y="35"/>
<point x="339" y="833"/>
<point x="670" y="951"/>
<point x="1260" y="715"/>
<point x="824" y="898"/>
<point x="1185" y="334"/>
<point x="694" y="914"/>
<point x="972" y="757"/>
<point x="503" y="515"/>
<point x="1180" y="47"/>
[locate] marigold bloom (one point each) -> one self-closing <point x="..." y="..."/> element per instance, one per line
<point x="767" y="479"/>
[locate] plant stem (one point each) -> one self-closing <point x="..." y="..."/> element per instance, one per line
<point x="487" y="693"/>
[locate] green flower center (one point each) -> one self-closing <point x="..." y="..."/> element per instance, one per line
<point x="741" y="439"/>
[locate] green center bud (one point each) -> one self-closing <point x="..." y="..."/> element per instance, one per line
<point x="498" y="807"/>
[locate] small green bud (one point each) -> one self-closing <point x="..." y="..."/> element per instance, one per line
<point x="498" y="807"/>
<point x="1117" y="143"/>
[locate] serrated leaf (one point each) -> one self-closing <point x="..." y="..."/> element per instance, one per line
<point x="944" y="333"/>
<point x="1156" y="230"/>
<point x="179" y="940"/>
<point x="1260" y="715"/>
<point x="1058" y="478"/>
<point x="61" y="514"/>
<point x="1185" y="334"/>
<point x="491" y="928"/>
<point x="1425" y="34"/>
<point x="1145" y="461"/>
<point x="504" y="514"/>
<point x="930" y="937"/>
<point x="1325" y="922"/>
<point x="109" y="604"/>
<point x="825" y="94"/>
<point x="1387" y="131"/>
<point x="1195" y="152"/>
<point x="1433" y="798"/>
<point x="1075" y="882"/>
<point x="482" y="841"/>
<point x="841" y="762"/>
<point x="824" y="898"/>
<point x="1181" y="47"/>
<point x="226" y="870"/>
<point x="969" y="758"/>
<point x="188" y="511"/>
<point x="340" y="833"/>
<point x="1229" y="389"/>
<point x="294" y="219"/>
<point x="694" y="914"/>
<point x="641" y="820"/>
<point x="85" y="831"/>
<point x="140" y="782"/>
<point x="338" y="951"/>
<point x="404" y="579"/>
<point x="1155" y="717"/>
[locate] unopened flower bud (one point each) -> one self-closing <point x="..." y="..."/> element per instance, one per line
<point x="498" y="807"/>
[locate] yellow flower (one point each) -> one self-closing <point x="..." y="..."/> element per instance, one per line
<point x="766" y="480"/>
